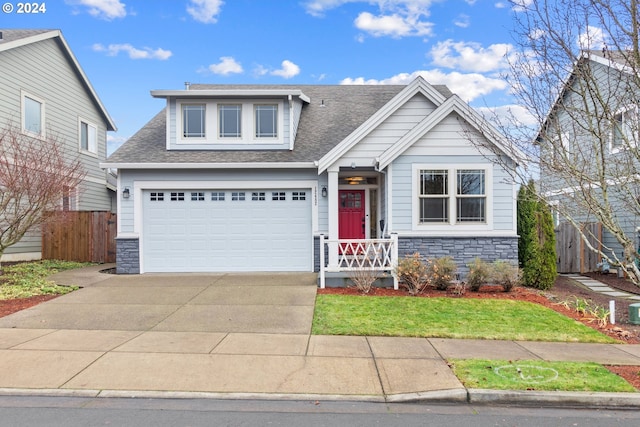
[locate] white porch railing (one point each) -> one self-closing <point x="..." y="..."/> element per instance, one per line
<point x="359" y="254"/>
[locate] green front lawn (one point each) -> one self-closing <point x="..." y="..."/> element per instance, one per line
<point x="447" y="318"/>
<point x="538" y="375"/>
<point x="29" y="279"/>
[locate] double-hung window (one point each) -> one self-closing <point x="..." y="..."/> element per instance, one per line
<point x="625" y="129"/>
<point x="266" y="117"/>
<point x="451" y="196"/>
<point x="230" y="121"/>
<point x="470" y="196"/>
<point x="88" y="137"/>
<point x="434" y="196"/>
<point x="32" y="115"/>
<point x="193" y="120"/>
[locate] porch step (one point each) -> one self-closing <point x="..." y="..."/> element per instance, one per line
<point x="341" y="280"/>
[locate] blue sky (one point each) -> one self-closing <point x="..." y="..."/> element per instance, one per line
<point x="130" y="47"/>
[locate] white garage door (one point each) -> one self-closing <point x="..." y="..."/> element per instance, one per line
<point x="226" y="230"/>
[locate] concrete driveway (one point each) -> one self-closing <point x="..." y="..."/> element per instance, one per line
<point x="274" y="303"/>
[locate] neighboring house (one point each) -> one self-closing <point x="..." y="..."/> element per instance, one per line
<point x="588" y="143"/>
<point x="247" y="178"/>
<point x="44" y="92"/>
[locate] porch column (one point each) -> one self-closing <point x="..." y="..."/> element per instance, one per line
<point x="333" y="201"/>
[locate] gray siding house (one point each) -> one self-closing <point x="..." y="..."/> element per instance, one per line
<point x="589" y="142"/>
<point x="43" y="90"/>
<point x="249" y="177"/>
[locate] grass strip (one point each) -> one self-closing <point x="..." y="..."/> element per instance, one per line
<point x="538" y="375"/>
<point x="29" y="279"/>
<point x="447" y="318"/>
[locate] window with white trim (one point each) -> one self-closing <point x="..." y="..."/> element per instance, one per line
<point x="433" y="196"/>
<point x="624" y="132"/>
<point x="229" y="121"/>
<point x="193" y="120"/>
<point x="69" y="199"/>
<point x="266" y="117"/>
<point x="451" y="196"/>
<point x="470" y="196"/>
<point x="88" y="137"/>
<point x="32" y="114"/>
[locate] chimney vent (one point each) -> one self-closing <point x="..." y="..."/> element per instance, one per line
<point x="187" y="85"/>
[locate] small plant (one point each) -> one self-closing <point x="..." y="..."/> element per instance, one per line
<point x="600" y="315"/>
<point x="363" y="279"/>
<point x="442" y="272"/>
<point x="479" y="274"/>
<point x="506" y="274"/>
<point x="581" y="306"/>
<point x="412" y="272"/>
<point x="458" y="289"/>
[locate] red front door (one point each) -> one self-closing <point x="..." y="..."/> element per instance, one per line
<point x="351" y="217"/>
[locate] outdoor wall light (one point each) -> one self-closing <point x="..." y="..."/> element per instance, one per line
<point x="324" y="191"/>
<point x="126" y="193"/>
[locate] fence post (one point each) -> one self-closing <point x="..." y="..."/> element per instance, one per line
<point x="394" y="259"/>
<point x="322" y="279"/>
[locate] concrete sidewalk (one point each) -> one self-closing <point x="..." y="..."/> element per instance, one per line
<point x="247" y="336"/>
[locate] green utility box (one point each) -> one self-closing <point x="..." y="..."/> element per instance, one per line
<point x="634" y="313"/>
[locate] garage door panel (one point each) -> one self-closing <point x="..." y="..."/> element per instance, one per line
<point x="202" y="232"/>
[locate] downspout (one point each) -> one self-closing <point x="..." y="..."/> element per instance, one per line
<point x="387" y="192"/>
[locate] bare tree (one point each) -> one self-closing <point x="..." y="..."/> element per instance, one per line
<point x="35" y="175"/>
<point x="576" y="69"/>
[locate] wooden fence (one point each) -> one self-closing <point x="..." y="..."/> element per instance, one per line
<point x="574" y="256"/>
<point x="85" y="236"/>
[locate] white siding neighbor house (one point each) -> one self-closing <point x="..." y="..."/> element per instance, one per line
<point x="253" y="177"/>
<point x="44" y="91"/>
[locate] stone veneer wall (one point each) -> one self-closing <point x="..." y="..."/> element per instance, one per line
<point x="462" y="249"/>
<point x="127" y="256"/>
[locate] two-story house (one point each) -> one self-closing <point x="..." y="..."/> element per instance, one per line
<point x="44" y="91"/>
<point x="248" y="177"/>
<point x="589" y="161"/>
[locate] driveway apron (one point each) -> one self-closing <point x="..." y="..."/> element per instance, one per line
<point x="274" y="303"/>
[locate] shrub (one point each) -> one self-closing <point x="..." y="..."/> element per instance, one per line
<point x="442" y="271"/>
<point x="479" y="274"/>
<point x="412" y="272"/>
<point x="363" y="279"/>
<point x="506" y="274"/>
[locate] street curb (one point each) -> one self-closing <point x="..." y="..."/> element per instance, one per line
<point x="549" y="399"/>
<point x="555" y="398"/>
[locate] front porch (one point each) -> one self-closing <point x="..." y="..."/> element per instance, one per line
<point x="341" y="257"/>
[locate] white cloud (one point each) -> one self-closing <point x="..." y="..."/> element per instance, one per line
<point x="103" y="9"/>
<point x="114" y="142"/>
<point x="467" y="86"/>
<point x="593" y="38"/>
<point x="462" y="21"/>
<point x="507" y="114"/>
<point x="288" y="70"/>
<point x="470" y="56"/>
<point x="227" y="65"/>
<point x="501" y="5"/>
<point x="521" y="5"/>
<point x="134" y="53"/>
<point x="392" y="25"/>
<point x="205" y="11"/>
<point x="396" y="18"/>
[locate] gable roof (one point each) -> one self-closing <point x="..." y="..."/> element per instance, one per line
<point x="15" y="38"/>
<point x="616" y="60"/>
<point x="332" y="114"/>
<point x="445" y="106"/>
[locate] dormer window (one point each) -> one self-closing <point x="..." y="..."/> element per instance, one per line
<point x="230" y="121"/>
<point x="266" y="121"/>
<point x="193" y="120"/>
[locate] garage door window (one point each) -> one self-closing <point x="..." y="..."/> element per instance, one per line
<point x="235" y="196"/>
<point x="197" y="197"/>
<point x="258" y="196"/>
<point x="156" y="197"/>
<point x="299" y="195"/>
<point x="278" y="195"/>
<point x="217" y="196"/>
<point x="177" y="197"/>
